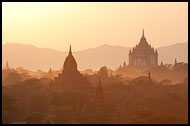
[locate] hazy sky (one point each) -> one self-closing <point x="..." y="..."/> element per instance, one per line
<point x="88" y="25"/>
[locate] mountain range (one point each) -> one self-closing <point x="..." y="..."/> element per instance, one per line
<point x="34" y="58"/>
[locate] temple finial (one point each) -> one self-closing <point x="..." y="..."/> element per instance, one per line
<point x="143" y="32"/>
<point x="7" y="65"/>
<point x="175" y="61"/>
<point x="70" y="50"/>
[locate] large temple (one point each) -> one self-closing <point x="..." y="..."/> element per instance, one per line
<point x="70" y="79"/>
<point x="143" y="55"/>
<point x="91" y="99"/>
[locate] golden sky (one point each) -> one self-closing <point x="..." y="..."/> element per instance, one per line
<point x="87" y="25"/>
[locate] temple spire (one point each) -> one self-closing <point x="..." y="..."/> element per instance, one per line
<point x="161" y="64"/>
<point x="70" y="52"/>
<point x="70" y="63"/>
<point x="143" y="39"/>
<point x="143" y="32"/>
<point x="50" y="71"/>
<point x="7" y="66"/>
<point x="99" y="99"/>
<point x="124" y="64"/>
<point x="175" y="61"/>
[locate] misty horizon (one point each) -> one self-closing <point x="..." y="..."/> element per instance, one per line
<point x="83" y="54"/>
<point x="105" y="44"/>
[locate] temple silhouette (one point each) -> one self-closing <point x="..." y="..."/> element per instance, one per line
<point x="70" y="79"/>
<point x="99" y="99"/>
<point x="143" y="55"/>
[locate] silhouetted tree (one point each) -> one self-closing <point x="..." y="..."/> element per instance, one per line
<point x="39" y="103"/>
<point x="8" y="108"/>
<point x="103" y="72"/>
<point x="12" y="78"/>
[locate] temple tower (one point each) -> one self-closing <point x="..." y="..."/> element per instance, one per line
<point x="7" y="66"/>
<point x="70" y="78"/>
<point x="143" y="55"/>
<point x="99" y="99"/>
<point x="70" y="64"/>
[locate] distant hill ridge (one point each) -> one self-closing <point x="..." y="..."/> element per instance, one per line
<point x="34" y="58"/>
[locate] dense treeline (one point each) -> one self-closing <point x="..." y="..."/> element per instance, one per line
<point x="26" y="99"/>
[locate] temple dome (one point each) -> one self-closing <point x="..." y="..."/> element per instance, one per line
<point x="70" y="63"/>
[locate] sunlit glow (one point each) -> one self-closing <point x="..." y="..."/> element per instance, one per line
<point x="85" y="25"/>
